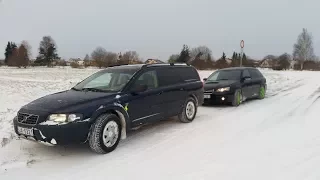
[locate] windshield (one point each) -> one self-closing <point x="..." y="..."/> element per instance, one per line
<point x="110" y="80"/>
<point x="225" y="75"/>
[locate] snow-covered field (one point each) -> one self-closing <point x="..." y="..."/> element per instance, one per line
<point x="275" y="138"/>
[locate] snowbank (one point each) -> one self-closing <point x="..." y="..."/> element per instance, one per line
<point x="275" y="138"/>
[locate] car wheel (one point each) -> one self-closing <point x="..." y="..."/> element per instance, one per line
<point x="105" y="134"/>
<point x="189" y="111"/>
<point x="237" y="98"/>
<point x="262" y="92"/>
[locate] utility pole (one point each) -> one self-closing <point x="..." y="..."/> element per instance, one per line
<point x="241" y="54"/>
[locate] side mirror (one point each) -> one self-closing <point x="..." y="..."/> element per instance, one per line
<point x="247" y="78"/>
<point x="138" y="89"/>
<point x="205" y="79"/>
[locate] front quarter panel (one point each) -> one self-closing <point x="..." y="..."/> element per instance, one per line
<point x="112" y="107"/>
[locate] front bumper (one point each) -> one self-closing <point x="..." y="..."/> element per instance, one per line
<point x="220" y="98"/>
<point x="70" y="133"/>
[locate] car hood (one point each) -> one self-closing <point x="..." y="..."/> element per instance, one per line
<point x="65" y="99"/>
<point x="218" y="84"/>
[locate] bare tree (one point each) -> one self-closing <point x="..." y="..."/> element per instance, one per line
<point x="110" y="59"/>
<point x="203" y="50"/>
<point x="283" y="61"/>
<point x="86" y="60"/>
<point x="104" y="58"/>
<point x="98" y="56"/>
<point x="23" y="57"/>
<point x="28" y="48"/>
<point x="303" y="49"/>
<point x="130" y="57"/>
<point x="271" y="57"/>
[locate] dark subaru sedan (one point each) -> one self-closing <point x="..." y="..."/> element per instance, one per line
<point x="234" y="86"/>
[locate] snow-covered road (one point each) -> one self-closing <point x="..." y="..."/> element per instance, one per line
<point x="276" y="138"/>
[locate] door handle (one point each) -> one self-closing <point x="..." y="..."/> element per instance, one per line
<point x="160" y="93"/>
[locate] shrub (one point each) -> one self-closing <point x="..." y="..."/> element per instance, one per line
<point x="74" y="65"/>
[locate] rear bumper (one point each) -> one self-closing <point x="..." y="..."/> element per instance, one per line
<point x="70" y="133"/>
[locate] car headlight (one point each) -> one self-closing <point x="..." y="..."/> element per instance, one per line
<point x="61" y="118"/>
<point x="223" y="89"/>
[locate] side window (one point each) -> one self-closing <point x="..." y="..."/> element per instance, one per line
<point x="123" y="79"/>
<point x="254" y="73"/>
<point x="168" y="76"/>
<point x="148" y="78"/>
<point x="245" y="73"/>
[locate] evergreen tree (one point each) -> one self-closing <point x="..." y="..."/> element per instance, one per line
<point x="223" y="56"/>
<point x="184" y="55"/>
<point x="234" y="56"/>
<point x="9" y="51"/>
<point x="244" y="60"/>
<point x="173" y="58"/>
<point x="235" y="60"/>
<point x="47" y="51"/>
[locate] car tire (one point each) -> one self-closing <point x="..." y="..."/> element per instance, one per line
<point x="105" y="125"/>
<point x="189" y="111"/>
<point x="237" y="98"/>
<point x="262" y="92"/>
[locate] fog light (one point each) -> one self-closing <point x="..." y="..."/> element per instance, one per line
<point x="223" y="98"/>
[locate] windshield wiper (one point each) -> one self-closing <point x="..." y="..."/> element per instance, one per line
<point x="223" y="79"/>
<point x="92" y="89"/>
<point x="75" y="89"/>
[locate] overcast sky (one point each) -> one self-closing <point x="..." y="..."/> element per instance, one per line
<point x="159" y="28"/>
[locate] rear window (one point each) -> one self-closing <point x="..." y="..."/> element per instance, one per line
<point x="175" y="75"/>
<point x="187" y="73"/>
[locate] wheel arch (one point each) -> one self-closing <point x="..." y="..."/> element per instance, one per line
<point x="195" y="98"/>
<point x="116" y="109"/>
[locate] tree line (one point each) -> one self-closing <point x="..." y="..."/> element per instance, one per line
<point x="19" y="56"/>
<point x="200" y="57"/>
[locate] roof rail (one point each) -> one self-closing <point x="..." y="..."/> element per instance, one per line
<point x="164" y="64"/>
<point x="117" y="65"/>
<point x="172" y="64"/>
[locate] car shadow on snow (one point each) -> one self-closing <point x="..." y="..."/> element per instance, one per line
<point x="150" y="132"/>
<point x="36" y="152"/>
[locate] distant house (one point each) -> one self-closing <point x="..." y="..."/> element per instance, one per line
<point x="229" y="61"/>
<point x="79" y="61"/>
<point x="266" y="63"/>
<point x="153" y="61"/>
<point x="293" y="63"/>
<point x="1" y="61"/>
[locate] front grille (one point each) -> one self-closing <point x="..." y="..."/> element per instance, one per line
<point x="209" y="91"/>
<point x="27" y="118"/>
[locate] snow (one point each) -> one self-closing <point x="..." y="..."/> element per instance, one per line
<point x="276" y="138"/>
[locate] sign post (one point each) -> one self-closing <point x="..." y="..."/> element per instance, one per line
<point x="241" y="54"/>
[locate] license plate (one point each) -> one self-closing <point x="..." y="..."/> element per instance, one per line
<point x="25" y="131"/>
<point x="207" y="96"/>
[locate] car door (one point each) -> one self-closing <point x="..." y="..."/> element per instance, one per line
<point x="246" y="84"/>
<point x="173" y="91"/>
<point x="256" y="81"/>
<point x="142" y="106"/>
